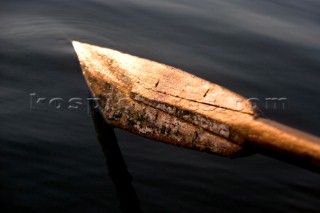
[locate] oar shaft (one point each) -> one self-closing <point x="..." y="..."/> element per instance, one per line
<point x="285" y="143"/>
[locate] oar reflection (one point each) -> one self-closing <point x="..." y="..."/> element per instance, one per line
<point x="115" y="162"/>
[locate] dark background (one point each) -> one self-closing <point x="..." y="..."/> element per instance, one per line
<point x="50" y="159"/>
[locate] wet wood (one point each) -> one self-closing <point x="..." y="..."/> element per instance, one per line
<point x="167" y="104"/>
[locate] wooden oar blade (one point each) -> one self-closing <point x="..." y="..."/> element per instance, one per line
<point x="126" y="87"/>
<point x="165" y="103"/>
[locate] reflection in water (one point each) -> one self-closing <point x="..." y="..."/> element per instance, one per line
<point x="115" y="162"/>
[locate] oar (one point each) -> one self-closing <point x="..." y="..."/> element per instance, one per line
<point x="164" y="103"/>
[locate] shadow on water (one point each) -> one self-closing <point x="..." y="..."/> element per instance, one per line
<point x="116" y="165"/>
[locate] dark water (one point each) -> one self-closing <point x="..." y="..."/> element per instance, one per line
<point x="51" y="161"/>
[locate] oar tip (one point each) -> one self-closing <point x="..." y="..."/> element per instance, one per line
<point x="74" y="42"/>
<point x="82" y="50"/>
<point x="77" y="45"/>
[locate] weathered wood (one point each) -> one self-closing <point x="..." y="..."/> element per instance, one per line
<point x="167" y="104"/>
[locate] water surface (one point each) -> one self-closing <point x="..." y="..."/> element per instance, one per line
<point x="51" y="160"/>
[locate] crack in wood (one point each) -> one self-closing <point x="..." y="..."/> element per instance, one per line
<point x="157" y="83"/>
<point x="200" y="102"/>
<point x="205" y="94"/>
